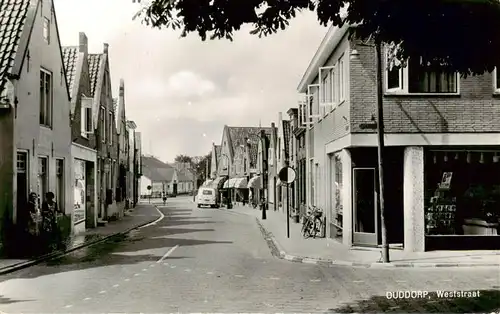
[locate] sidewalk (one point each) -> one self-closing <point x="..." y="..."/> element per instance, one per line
<point x="329" y="251"/>
<point x="136" y="217"/>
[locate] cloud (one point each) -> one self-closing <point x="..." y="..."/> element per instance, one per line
<point x="174" y="86"/>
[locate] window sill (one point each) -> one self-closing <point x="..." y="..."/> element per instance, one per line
<point x="48" y="127"/>
<point x="405" y="94"/>
<point x="496" y="93"/>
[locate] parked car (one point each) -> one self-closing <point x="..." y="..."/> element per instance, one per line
<point x="207" y="197"/>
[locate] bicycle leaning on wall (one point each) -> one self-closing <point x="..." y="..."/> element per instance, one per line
<point x="313" y="223"/>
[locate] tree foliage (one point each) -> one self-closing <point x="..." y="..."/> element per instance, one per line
<point x="460" y="34"/>
<point x="197" y="164"/>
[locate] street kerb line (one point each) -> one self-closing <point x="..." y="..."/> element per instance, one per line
<point x="156" y="221"/>
<point x="167" y="254"/>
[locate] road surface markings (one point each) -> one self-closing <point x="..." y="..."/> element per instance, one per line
<point x="135" y="275"/>
<point x="167" y="254"/>
<point x="144" y="269"/>
<point x="274" y="278"/>
<point x="358" y="281"/>
<point x="116" y="286"/>
<point x="68" y="306"/>
<point x="400" y="281"/>
<point x="87" y="299"/>
<point x="446" y="280"/>
<point x="315" y="280"/>
<point x="102" y="291"/>
<point x="127" y="279"/>
<point x="187" y="270"/>
<point x="156" y="221"/>
<point x="239" y="276"/>
<point x="209" y="273"/>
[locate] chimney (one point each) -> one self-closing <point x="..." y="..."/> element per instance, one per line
<point x="83" y="43"/>
<point x="105" y="50"/>
<point x="280" y="115"/>
<point x="122" y="88"/>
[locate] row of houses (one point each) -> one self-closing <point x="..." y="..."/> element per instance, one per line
<point x="61" y="130"/>
<point x="441" y="155"/>
<point x="165" y="178"/>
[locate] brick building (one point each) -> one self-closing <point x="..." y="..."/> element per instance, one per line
<point x="442" y="138"/>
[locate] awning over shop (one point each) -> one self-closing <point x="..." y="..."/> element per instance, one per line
<point x="236" y="183"/>
<point x="240" y="183"/>
<point x="254" y="183"/>
<point x="218" y="183"/>
<point x="207" y="183"/>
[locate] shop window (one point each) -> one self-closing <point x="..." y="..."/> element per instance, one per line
<point x="337" y="190"/>
<point x="462" y="195"/>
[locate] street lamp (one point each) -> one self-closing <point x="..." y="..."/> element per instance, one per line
<point x="229" y="205"/>
<point x="262" y="140"/>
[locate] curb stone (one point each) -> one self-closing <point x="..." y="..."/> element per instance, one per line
<point x="281" y="254"/>
<point x="49" y="256"/>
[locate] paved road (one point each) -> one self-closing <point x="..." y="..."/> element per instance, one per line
<point x="210" y="260"/>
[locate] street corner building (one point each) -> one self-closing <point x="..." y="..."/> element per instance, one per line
<point x="35" y="134"/>
<point x="442" y="152"/>
<point x="163" y="178"/>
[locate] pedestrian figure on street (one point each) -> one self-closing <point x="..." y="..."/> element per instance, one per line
<point x="164" y="198"/>
<point x="50" y="211"/>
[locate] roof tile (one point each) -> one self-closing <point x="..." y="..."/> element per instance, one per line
<point x="237" y="135"/>
<point x="70" y="58"/>
<point x="286" y="135"/>
<point x="94" y="65"/>
<point x="12" y="20"/>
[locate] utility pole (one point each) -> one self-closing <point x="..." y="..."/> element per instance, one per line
<point x="381" y="144"/>
<point x="264" y="172"/>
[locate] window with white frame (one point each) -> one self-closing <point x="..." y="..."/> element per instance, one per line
<point x="342" y="79"/>
<point x="87" y="123"/>
<point x="416" y="78"/>
<point x="46" y="30"/>
<point x="110" y="128"/>
<point x="102" y="121"/>
<point x="496" y="81"/>
<point x="46" y="103"/>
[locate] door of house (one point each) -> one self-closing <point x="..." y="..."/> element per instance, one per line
<point x="365" y="209"/>
<point x="174" y="189"/>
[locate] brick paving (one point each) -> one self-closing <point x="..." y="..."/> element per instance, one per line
<point x="328" y="249"/>
<point x="137" y="216"/>
<point x="218" y="262"/>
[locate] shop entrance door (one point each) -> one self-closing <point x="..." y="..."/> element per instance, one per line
<point x="365" y="209"/>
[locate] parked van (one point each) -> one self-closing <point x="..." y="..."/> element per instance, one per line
<point x="207" y="197"/>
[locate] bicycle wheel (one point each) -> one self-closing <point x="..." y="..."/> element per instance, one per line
<point x="317" y="227"/>
<point x="306" y="228"/>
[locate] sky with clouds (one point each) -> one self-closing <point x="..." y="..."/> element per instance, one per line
<point x="182" y="91"/>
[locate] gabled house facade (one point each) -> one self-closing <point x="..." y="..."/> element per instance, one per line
<point x="133" y="175"/>
<point x="283" y="160"/>
<point x="214" y="161"/>
<point x="83" y="148"/>
<point x="297" y="157"/>
<point x="123" y="149"/>
<point x="441" y="154"/>
<point x="104" y="122"/>
<point x="234" y="155"/>
<point x="35" y="133"/>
